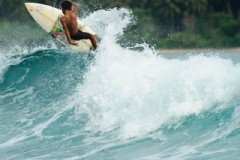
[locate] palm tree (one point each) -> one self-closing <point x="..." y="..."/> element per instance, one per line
<point x="167" y="11"/>
<point x="168" y="8"/>
<point x="193" y="8"/>
<point x="229" y="7"/>
<point x="196" y="7"/>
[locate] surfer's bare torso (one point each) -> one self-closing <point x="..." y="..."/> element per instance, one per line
<point x="69" y="22"/>
<point x="70" y="25"/>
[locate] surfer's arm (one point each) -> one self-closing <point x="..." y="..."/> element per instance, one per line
<point x="70" y="41"/>
<point x="75" y="6"/>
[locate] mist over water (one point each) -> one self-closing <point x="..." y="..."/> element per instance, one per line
<point x="118" y="102"/>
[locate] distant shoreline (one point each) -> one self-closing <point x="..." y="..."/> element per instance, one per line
<point x="190" y="51"/>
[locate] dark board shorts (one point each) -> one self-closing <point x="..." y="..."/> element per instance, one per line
<point x="81" y="35"/>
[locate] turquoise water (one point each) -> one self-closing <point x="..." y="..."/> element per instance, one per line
<point x="118" y="103"/>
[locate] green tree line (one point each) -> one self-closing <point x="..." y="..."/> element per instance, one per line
<point x="165" y="23"/>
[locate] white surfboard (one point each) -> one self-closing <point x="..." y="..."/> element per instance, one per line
<point x="49" y="19"/>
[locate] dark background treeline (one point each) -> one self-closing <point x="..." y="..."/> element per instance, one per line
<point x="165" y="23"/>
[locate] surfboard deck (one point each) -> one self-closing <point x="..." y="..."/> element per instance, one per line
<point x="49" y="19"/>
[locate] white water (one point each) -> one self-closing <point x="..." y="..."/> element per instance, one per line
<point x="137" y="92"/>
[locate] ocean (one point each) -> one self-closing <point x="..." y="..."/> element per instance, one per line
<point x="118" y="103"/>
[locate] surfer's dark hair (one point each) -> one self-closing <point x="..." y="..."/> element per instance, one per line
<point x="66" y="5"/>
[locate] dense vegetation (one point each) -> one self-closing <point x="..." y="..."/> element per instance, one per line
<point x="166" y="23"/>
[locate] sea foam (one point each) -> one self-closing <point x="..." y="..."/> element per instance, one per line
<point x="137" y="92"/>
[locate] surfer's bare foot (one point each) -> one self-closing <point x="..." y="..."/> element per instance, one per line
<point x="93" y="48"/>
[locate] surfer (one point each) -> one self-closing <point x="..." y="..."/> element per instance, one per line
<point x="70" y="26"/>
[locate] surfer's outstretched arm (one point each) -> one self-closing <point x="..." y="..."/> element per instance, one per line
<point x="75" y="6"/>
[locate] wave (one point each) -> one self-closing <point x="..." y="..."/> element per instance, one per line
<point x="118" y="101"/>
<point x="139" y="94"/>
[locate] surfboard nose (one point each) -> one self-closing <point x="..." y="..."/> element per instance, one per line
<point x="30" y="6"/>
<point x="34" y="6"/>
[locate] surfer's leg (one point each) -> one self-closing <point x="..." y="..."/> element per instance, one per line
<point x="94" y="42"/>
<point x="85" y="35"/>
